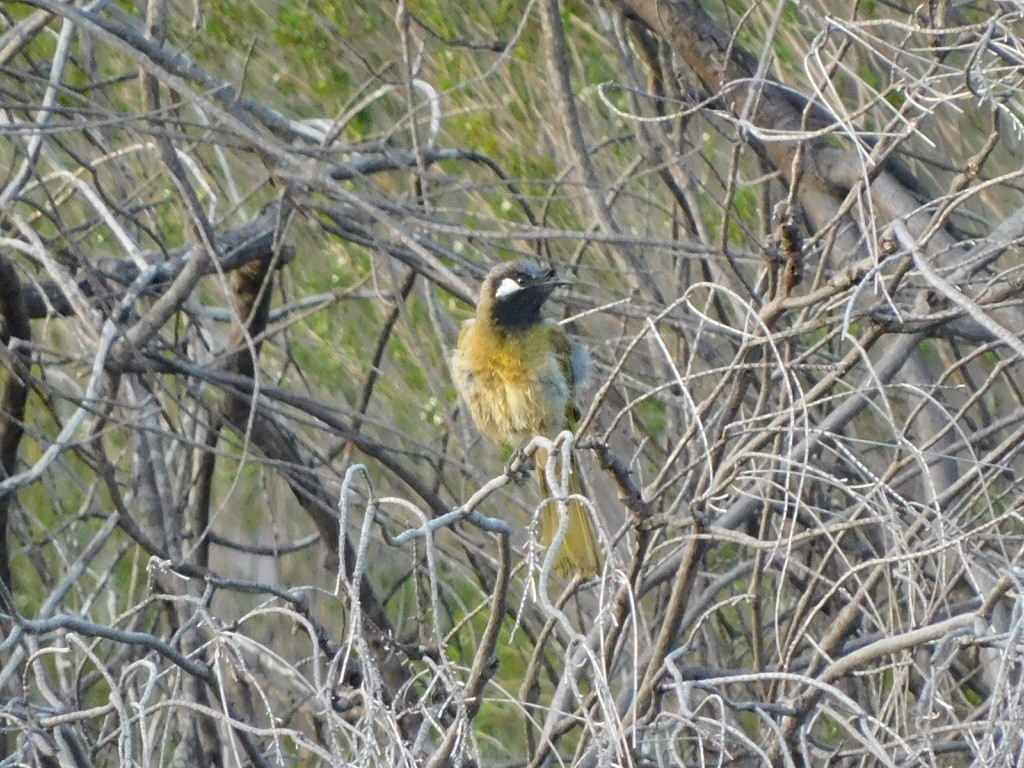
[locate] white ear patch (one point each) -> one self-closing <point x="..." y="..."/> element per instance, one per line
<point x="507" y="287"/>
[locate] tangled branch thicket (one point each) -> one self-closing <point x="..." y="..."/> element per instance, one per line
<point x="244" y="521"/>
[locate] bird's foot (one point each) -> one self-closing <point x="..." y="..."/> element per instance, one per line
<point x="519" y="466"/>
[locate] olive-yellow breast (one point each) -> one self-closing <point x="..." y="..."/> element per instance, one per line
<point x="512" y="381"/>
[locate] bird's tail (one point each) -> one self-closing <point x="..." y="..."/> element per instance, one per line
<point x="579" y="552"/>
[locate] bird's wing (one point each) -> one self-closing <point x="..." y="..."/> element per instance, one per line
<point x="574" y="360"/>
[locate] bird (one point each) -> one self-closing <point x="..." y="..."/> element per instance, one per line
<point x="518" y="375"/>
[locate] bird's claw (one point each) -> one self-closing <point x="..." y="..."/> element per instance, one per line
<point x="518" y="466"/>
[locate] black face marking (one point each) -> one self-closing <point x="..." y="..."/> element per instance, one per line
<point x="519" y="290"/>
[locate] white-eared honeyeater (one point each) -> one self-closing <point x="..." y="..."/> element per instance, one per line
<point x="518" y="375"/>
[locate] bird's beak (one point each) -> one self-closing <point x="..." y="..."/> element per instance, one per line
<point x="555" y="282"/>
<point x="551" y="280"/>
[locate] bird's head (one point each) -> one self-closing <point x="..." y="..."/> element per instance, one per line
<point x="513" y="292"/>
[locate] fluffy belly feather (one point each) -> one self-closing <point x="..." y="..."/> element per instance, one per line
<point x="512" y="394"/>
